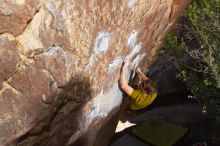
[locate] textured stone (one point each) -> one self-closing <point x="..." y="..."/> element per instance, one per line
<point x="15" y="14"/>
<point x="58" y="63"/>
<point x="70" y="57"/>
<point x="100" y="133"/>
<point x="18" y="114"/>
<point x="9" y="57"/>
<point x="33" y="82"/>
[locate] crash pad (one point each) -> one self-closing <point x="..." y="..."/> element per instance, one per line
<point x="128" y="140"/>
<point x="159" y="132"/>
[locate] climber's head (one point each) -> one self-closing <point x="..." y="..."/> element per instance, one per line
<point x="148" y="87"/>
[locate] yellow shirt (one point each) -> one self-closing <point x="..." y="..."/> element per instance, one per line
<point x="140" y="101"/>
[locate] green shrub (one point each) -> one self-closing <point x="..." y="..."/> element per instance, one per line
<point x="199" y="66"/>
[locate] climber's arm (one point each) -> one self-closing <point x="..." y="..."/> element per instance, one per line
<point x="141" y="74"/>
<point x="123" y="83"/>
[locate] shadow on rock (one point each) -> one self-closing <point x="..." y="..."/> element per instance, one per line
<point x="62" y="118"/>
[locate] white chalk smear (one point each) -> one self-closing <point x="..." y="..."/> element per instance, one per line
<point x="57" y="15"/>
<point x="101" y="45"/>
<point x="44" y="98"/>
<point x="134" y="51"/>
<point x="52" y="51"/>
<point x="114" y="64"/>
<point x="132" y="39"/>
<point x="137" y="61"/>
<point x="103" y="104"/>
<point x="131" y="4"/>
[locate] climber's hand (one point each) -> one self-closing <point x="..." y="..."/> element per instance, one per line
<point x="138" y="70"/>
<point x="141" y="75"/>
<point x="125" y="65"/>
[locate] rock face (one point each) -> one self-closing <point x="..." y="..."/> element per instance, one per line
<point x="60" y="63"/>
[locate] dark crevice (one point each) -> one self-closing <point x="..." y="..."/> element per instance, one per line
<point x="30" y="20"/>
<point x="4" y="32"/>
<point x="171" y="13"/>
<point x="14" y="88"/>
<point x="18" y="67"/>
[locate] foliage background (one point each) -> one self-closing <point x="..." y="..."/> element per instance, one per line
<point x="198" y="50"/>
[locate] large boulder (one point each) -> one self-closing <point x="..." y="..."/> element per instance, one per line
<point x="60" y="63"/>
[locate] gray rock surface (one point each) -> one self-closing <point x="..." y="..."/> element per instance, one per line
<point x="60" y="62"/>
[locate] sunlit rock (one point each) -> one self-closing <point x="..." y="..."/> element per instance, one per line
<point x="60" y="63"/>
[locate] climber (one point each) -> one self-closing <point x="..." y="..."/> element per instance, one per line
<point x="142" y="92"/>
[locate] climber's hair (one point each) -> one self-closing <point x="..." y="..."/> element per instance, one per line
<point x="148" y="86"/>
